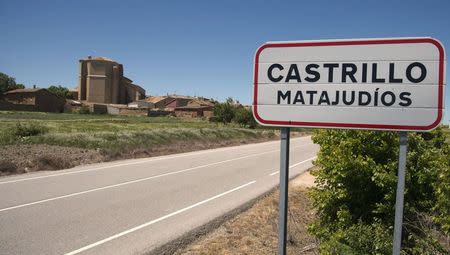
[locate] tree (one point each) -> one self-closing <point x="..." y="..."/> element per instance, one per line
<point x="232" y="111"/>
<point x="8" y="83"/>
<point x="233" y="102"/>
<point x="224" y="112"/>
<point x="60" y="91"/>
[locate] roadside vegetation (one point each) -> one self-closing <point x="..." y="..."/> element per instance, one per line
<point x="350" y="208"/>
<point x="446" y="130"/>
<point x="232" y="111"/>
<point x="254" y="231"/>
<point x="107" y="137"/>
<point x="356" y="189"/>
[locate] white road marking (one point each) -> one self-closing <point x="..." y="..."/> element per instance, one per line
<point x="294" y="165"/>
<point x="90" y="246"/>
<point x="134" y="163"/>
<point x="136" y="181"/>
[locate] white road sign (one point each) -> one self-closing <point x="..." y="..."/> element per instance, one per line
<point x="380" y="84"/>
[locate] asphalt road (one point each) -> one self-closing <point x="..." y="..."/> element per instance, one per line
<point x="134" y="206"/>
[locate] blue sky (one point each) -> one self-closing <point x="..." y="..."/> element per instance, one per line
<point x="191" y="47"/>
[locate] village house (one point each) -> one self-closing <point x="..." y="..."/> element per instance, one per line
<point x="141" y="104"/>
<point x="159" y="102"/>
<point x="37" y="99"/>
<point x="193" y="111"/>
<point x="195" y="108"/>
<point x="181" y="106"/>
<point x="178" y="101"/>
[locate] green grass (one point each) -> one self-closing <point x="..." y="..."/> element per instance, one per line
<point x="113" y="134"/>
<point x="75" y="123"/>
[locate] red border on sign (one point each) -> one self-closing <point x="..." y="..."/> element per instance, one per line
<point x="352" y="125"/>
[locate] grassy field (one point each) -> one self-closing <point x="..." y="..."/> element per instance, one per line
<point x="112" y="134"/>
<point x="35" y="141"/>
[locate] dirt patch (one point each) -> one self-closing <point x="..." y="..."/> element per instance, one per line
<point x="27" y="158"/>
<point x="255" y="230"/>
<point x="306" y="180"/>
<point x="195" y="145"/>
<point x="16" y="159"/>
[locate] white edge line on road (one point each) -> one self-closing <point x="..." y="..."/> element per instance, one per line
<point x="134" y="181"/>
<point x="294" y="165"/>
<point x="134" y="163"/>
<point x="90" y="246"/>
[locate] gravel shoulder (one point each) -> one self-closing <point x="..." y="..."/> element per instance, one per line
<point x="254" y="231"/>
<point x="23" y="158"/>
<point x="17" y="159"/>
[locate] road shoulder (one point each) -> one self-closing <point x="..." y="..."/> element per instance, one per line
<point x="252" y="228"/>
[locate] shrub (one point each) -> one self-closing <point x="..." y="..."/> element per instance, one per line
<point x="442" y="206"/>
<point x="30" y="129"/>
<point x="356" y="183"/>
<point x="232" y="111"/>
<point x="224" y="112"/>
<point x="358" y="239"/>
<point x="244" y="117"/>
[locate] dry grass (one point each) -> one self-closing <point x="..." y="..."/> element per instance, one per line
<point x="254" y="232"/>
<point x="32" y="141"/>
<point x="15" y="159"/>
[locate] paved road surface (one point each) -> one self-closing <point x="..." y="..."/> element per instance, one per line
<point x="134" y="206"/>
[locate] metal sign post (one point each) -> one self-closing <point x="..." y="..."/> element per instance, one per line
<point x="400" y="194"/>
<point x="284" y="182"/>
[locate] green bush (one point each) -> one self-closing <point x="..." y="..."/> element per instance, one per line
<point x="359" y="239"/>
<point x="224" y="112"/>
<point x="232" y="111"/>
<point x="442" y="207"/>
<point x="244" y="117"/>
<point x="30" y="129"/>
<point x="356" y="184"/>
